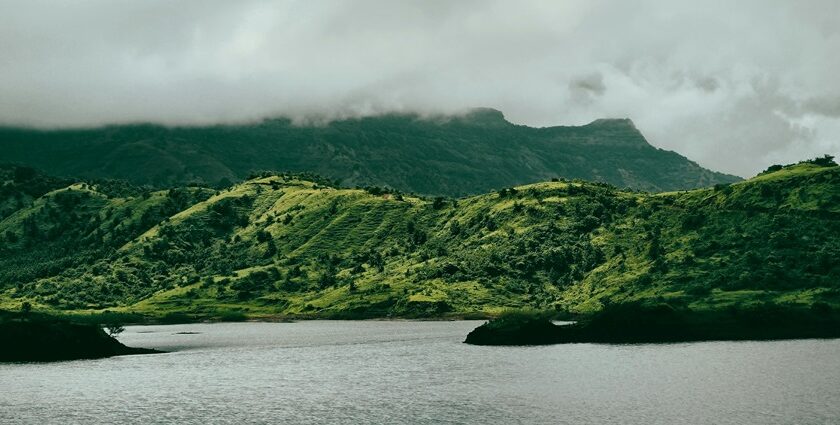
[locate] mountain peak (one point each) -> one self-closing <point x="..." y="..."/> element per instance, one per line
<point x="485" y="116"/>
<point x="613" y="123"/>
<point x="455" y="155"/>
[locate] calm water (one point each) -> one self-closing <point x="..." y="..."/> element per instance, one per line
<point x="420" y="372"/>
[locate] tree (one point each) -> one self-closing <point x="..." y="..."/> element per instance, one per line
<point x="723" y="187"/>
<point x="772" y="168"/>
<point x="114" y="329"/>
<point x="263" y="236"/>
<point x="270" y="248"/>
<point x="825" y="161"/>
<point x="26" y="308"/>
<point x="327" y="278"/>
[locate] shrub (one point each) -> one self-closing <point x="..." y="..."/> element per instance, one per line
<point x="825" y="161"/>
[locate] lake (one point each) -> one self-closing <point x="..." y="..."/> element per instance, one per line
<point x="347" y="372"/>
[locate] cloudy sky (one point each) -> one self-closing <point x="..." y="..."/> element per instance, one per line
<point x="734" y="85"/>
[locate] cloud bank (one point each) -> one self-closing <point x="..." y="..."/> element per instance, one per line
<point x="735" y="86"/>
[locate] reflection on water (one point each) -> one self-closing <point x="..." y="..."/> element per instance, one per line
<point x="420" y="372"/>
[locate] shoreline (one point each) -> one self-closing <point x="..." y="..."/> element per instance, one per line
<point x="136" y="319"/>
<point x="38" y="340"/>
<point x="641" y="324"/>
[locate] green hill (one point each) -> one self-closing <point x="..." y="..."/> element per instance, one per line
<point x="292" y="245"/>
<point x="444" y="155"/>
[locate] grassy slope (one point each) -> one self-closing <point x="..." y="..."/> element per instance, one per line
<point x="279" y="245"/>
<point x="769" y="239"/>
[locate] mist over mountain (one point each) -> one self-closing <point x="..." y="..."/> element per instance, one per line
<point x="733" y="86"/>
<point x="653" y="184"/>
<point x="451" y="155"/>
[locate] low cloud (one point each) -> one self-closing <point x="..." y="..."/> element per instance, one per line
<point x="825" y="106"/>
<point x="734" y="86"/>
<point x="586" y="89"/>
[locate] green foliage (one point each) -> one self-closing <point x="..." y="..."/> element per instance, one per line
<point x="824" y="161"/>
<point x="114" y="329"/>
<point x="452" y="156"/>
<point x="283" y="245"/>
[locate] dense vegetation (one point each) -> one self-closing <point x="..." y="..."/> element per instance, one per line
<point x="452" y="156"/>
<point x="287" y="245"/>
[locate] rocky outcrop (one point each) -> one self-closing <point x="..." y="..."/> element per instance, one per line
<point x="39" y="341"/>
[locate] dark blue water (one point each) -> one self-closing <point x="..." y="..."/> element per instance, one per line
<point x="419" y="372"/>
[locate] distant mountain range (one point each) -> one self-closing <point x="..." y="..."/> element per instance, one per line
<point x="445" y="155"/>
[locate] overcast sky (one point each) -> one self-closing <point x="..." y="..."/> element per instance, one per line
<point x="734" y="85"/>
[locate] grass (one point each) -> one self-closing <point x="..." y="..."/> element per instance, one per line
<point x="556" y="246"/>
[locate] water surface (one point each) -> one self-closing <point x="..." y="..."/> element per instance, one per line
<point x="420" y="372"/>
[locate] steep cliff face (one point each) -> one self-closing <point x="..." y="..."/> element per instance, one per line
<point x="438" y="155"/>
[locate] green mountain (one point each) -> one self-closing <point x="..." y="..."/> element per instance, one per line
<point x="445" y="155"/>
<point x="292" y="245"/>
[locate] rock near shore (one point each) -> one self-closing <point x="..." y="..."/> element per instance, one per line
<point x="25" y="341"/>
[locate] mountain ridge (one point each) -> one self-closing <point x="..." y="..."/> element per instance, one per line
<point x="450" y="155"/>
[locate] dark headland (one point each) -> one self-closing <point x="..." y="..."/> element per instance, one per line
<point x="43" y="339"/>
<point x="637" y="323"/>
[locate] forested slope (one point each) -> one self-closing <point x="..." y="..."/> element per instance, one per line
<point x="442" y="155"/>
<point x="294" y="245"/>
